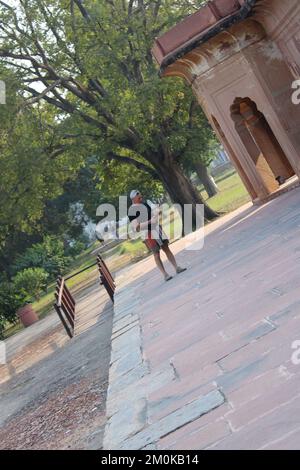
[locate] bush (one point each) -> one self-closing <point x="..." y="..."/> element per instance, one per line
<point x="30" y="282"/>
<point x="76" y="248"/>
<point x="10" y="301"/>
<point x="48" y="255"/>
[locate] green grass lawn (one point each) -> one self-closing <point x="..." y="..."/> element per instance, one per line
<point x="232" y="194"/>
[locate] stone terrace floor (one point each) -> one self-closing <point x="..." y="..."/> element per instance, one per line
<point x="205" y="360"/>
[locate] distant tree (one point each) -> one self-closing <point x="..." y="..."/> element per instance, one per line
<point x="10" y="301"/>
<point x="196" y="159"/>
<point x="33" y="168"/>
<point x="31" y="282"/>
<point x="48" y="255"/>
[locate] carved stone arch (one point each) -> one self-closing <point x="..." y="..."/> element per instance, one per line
<point x="180" y="70"/>
<point x="188" y="62"/>
<point x="204" y="63"/>
<point x="199" y="57"/>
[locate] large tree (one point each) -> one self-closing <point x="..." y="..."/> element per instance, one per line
<point x="92" y="62"/>
<point x="34" y="167"/>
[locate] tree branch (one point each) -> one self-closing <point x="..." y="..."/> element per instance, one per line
<point x="40" y="96"/>
<point x="131" y="161"/>
<point x="83" y="10"/>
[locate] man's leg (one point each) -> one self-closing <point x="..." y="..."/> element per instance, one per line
<point x="160" y="266"/>
<point x="170" y="256"/>
<point x="172" y="259"/>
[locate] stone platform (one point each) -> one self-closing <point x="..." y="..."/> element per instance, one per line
<point x="207" y="360"/>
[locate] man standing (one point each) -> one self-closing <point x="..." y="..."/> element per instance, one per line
<point x="146" y="219"/>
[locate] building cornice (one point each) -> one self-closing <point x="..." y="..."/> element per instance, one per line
<point x="165" y="58"/>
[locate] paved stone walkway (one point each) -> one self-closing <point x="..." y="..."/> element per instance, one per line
<point x="205" y="360"/>
<point x="53" y="389"/>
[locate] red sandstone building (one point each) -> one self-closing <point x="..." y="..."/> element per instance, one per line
<point x="241" y="58"/>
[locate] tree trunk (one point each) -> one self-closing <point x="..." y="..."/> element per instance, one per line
<point x="205" y="178"/>
<point x="180" y="188"/>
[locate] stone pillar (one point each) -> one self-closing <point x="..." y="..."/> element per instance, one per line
<point x="266" y="141"/>
<point x="265" y="182"/>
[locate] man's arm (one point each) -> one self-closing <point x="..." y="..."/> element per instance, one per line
<point x="138" y="226"/>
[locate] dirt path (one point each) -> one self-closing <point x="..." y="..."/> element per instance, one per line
<point x="53" y="390"/>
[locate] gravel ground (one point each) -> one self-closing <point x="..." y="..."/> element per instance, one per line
<point x="53" y="390"/>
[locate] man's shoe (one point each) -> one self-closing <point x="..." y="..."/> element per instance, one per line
<point x="180" y="270"/>
<point x="168" y="277"/>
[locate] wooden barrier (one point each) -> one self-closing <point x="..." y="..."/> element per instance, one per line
<point x="106" y="278"/>
<point x="65" y="302"/>
<point x="65" y="306"/>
